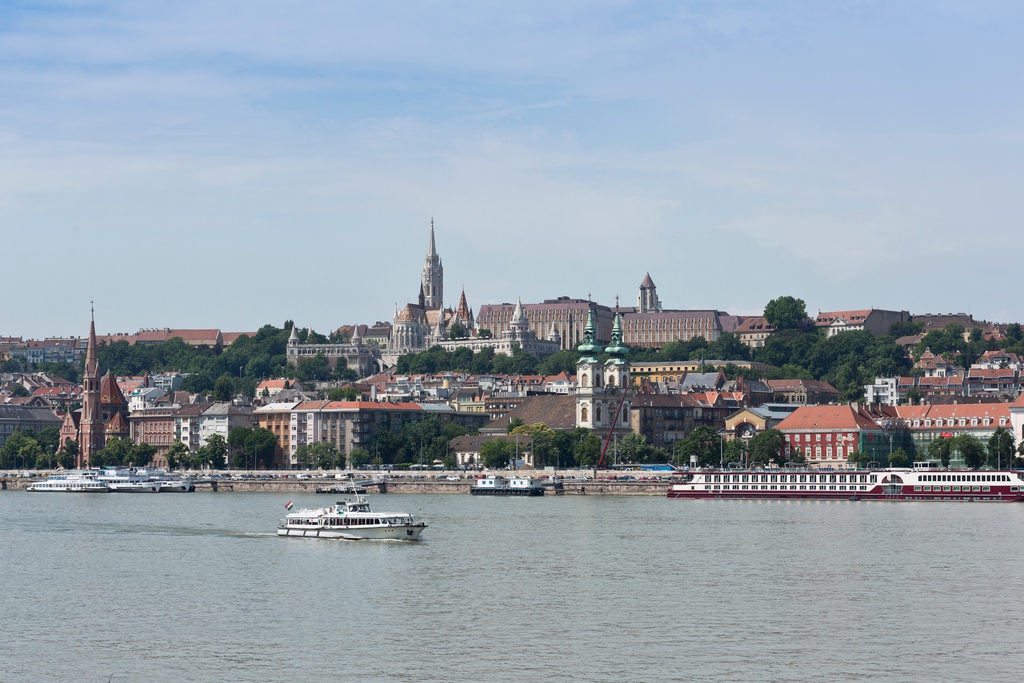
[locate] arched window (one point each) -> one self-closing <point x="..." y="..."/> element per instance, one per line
<point x="597" y="380"/>
<point x="583" y="383"/>
<point x="583" y="414"/>
<point x="597" y="412"/>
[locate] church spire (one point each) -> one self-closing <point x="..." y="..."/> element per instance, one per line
<point x="432" y="280"/>
<point x="90" y="426"/>
<point x="92" y="360"/>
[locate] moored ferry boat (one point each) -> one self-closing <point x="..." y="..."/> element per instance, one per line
<point x="127" y="481"/>
<point x="895" y="484"/>
<point x="70" y="482"/>
<point x="351" y="520"/>
<point x="500" y="486"/>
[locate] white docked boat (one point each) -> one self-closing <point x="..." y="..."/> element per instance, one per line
<point x="351" y="520"/>
<point x="127" y="481"/>
<point x="175" y="486"/>
<point x="500" y="486"/>
<point x="70" y="482"/>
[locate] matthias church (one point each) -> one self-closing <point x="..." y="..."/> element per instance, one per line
<point x="419" y="326"/>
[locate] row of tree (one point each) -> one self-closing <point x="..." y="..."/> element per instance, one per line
<point x="34" y="450"/>
<point x="237" y="369"/>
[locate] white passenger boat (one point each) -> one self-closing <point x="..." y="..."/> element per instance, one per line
<point x="351" y="520"/>
<point x="895" y="484"/>
<point x="70" y="482"/>
<point x="127" y="481"/>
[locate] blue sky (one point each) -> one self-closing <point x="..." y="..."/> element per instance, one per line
<point x="235" y="163"/>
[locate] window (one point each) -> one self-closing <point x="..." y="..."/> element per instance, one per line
<point x="583" y="411"/>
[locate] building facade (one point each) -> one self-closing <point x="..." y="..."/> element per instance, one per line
<point x="873" y="320"/>
<point x="602" y="393"/>
<point x="362" y="359"/>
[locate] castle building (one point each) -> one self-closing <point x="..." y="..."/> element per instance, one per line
<point x="566" y="316"/>
<point x="417" y="327"/>
<point x="650" y="325"/>
<point x="518" y="334"/>
<point x="362" y="358"/>
<point x="602" y="392"/>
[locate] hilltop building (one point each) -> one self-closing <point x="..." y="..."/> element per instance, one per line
<point x="362" y="358"/>
<point x="419" y="326"/>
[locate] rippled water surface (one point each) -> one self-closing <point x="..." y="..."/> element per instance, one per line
<point x="195" y="587"/>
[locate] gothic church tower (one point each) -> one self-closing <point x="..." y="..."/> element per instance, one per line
<point x="433" y="275"/>
<point x="91" y="424"/>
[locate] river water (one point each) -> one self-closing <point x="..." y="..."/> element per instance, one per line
<point x="197" y="587"/>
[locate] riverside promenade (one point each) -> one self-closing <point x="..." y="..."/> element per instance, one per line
<point x="391" y="483"/>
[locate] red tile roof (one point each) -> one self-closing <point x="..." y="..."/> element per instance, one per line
<point x="809" y="418"/>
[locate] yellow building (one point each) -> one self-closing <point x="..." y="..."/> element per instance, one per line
<point x="674" y="370"/>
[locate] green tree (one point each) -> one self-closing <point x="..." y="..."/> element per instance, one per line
<point x="940" y="449"/>
<point x="484" y="333"/>
<point x="971" y="451"/>
<point x="237" y="439"/>
<point x="214" y="452"/>
<point x="736" y="450"/>
<point x="899" y="458"/>
<point x="766" y="446"/>
<point x="348" y="393"/>
<point x="1000" y="448"/>
<point x="358" y="457"/>
<point x="177" y="455"/>
<point x="316" y="368"/>
<point x="29" y="453"/>
<point x="705" y="443"/>
<point x="786" y="312"/>
<point x="728" y="347"/>
<point x="19" y="391"/>
<point x="513" y="424"/>
<point x="905" y="329"/>
<point x="588" y="451"/>
<point x="457" y="331"/>
<point x="563" y="361"/>
<point x="859" y="458"/>
<point x="116" y="453"/>
<point x="634" y="448"/>
<point x="223" y="388"/>
<point x="449" y="462"/>
<point x="496" y="453"/>
<point x="67" y="456"/>
<point x="326" y="455"/>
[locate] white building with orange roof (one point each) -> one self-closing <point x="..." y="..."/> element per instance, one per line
<point x="927" y="423"/>
<point x="1017" y="418"/>
<point x="273" y="387"/>
<point x="873" y="320"/>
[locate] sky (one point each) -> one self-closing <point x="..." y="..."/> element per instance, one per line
<point x="232" y="164"/>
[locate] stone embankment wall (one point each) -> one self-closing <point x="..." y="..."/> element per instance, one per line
<point x="587" y="488"/>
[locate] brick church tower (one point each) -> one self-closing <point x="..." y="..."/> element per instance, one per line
<point x="90" y="426"/>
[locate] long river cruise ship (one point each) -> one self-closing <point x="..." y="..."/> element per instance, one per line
<point x="351" y="520"/>
<point x="895" y="484"/>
